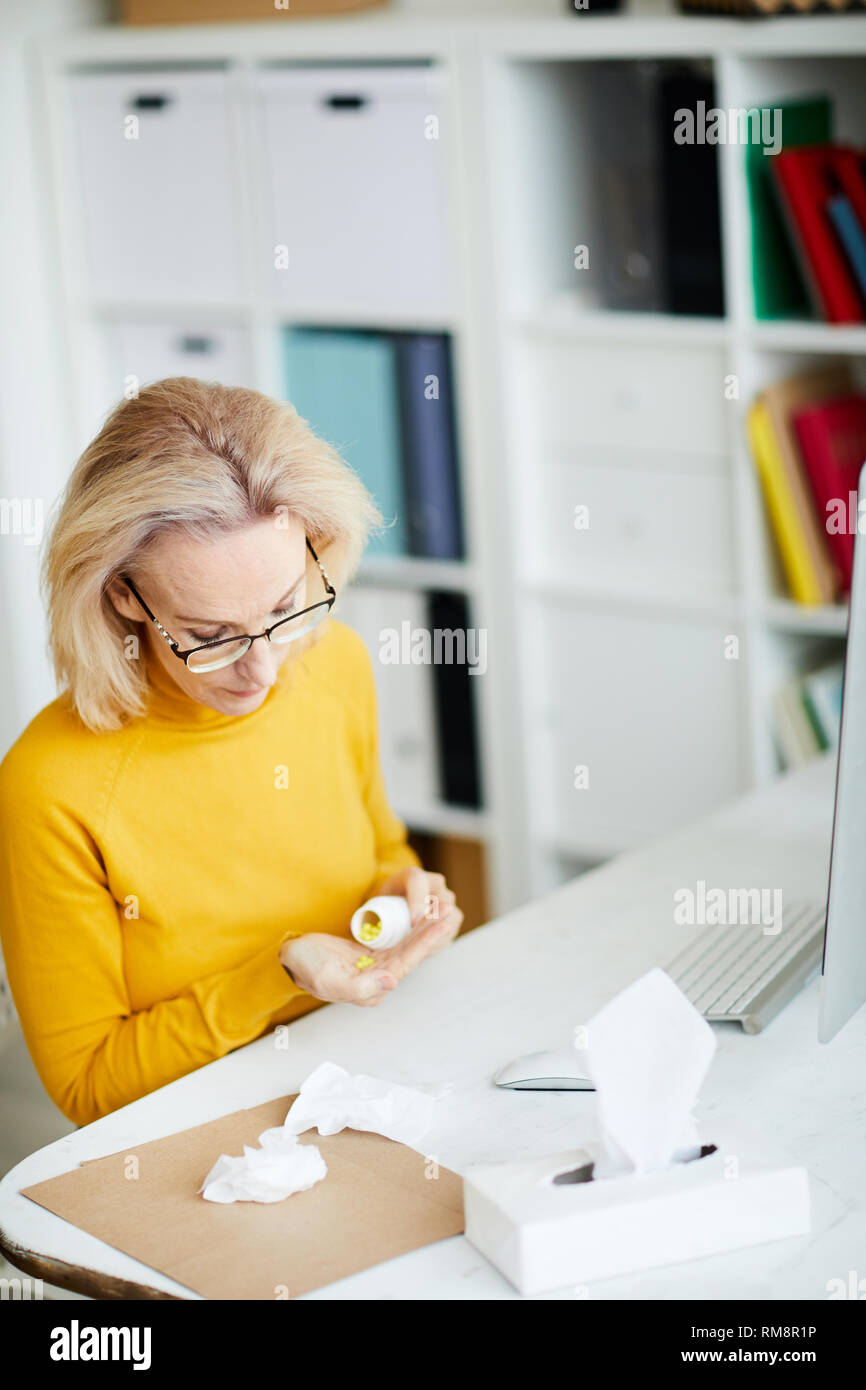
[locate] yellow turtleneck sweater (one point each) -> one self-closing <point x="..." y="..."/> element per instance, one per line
<point x="149" y="876"/>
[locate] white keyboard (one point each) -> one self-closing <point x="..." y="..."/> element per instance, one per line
<point x="738" y="974"/>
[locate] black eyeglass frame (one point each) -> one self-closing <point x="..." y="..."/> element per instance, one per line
<point x="244" y="637"/>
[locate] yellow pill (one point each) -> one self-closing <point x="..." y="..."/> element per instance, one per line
<point x="363" y="961"/>
<point x="371" y="927"/>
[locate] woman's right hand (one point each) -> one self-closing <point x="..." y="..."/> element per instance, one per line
<point x="325" y="965"/>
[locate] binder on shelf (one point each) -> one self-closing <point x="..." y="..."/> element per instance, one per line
<point x="849" y="167"/>
<point x="658" y="233"/>
<point x="455" y="705"/>
<point x="812" y="575"/>
<point x="788" y="519"/>
<point x="407" y="714"/>
<point x="798" y="742"/>
<point x="805" y="183"/>
<point x="625" y="173"/>
<point x="429" y="445"/>
<point x="691" y="214"/>
<point x="345" y="385"/>
<point x="822" y="696"/>
<point x="777" y="285"/>
<point x="832" y="438"/>
<point x="808" y="712"/>
<point x="848" y="208"/>
<point x="852" y="236"/>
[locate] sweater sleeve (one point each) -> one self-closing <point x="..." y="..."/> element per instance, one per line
<point x="61" y="936"/>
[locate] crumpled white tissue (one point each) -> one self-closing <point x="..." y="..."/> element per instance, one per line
<point x="647" y="1053"/>
<point x="330" y="1100"/>
<point x="280" y="1167"/>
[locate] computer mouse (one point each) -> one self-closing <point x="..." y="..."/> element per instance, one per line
<point x="544" y="1071"/>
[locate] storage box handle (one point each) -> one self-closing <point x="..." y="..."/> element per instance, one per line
<point x="151" y="101"/>
<point x="190" y="342"/>
<point x="345" y="101"/>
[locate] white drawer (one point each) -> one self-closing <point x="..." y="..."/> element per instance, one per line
<point x="650" y="705"/>
<point x="159" y="209"/>
<point x="652" y="520"/>
<point x="669" y="397"/>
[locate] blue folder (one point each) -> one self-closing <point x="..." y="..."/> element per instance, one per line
<point x="429" y="446"/>
<point x="345" y="385"/>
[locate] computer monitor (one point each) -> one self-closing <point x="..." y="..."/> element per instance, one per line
<point x="843" y="969"/>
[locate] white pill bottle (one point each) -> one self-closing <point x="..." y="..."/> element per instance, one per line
<point x="382" y="922"/>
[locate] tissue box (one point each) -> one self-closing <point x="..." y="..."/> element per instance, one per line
<point x="543" y="1235"/>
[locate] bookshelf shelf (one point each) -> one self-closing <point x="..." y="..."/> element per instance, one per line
<point x="674" y="35"/>
<point x="566" y="319"/>
<point x="416" y="573"/>
<point x="808" y="337"/>
<point x="789" y="616"/>
<point x="156" y="310"/>
<point x="631" y="595"/>
<point x="369" y="318"/>
<point x="520" y="180"/>
<point x="382" y="36"/>
<point x="445" y="819"/>
<point x="279" y="316"/>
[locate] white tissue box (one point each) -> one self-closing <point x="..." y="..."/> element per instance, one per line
<point x="543" y="1236"/>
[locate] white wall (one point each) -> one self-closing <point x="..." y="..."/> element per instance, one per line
<point x="33" y="427"/>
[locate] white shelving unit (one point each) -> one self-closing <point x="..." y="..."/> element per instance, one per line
<point x="601" y="712"/>
<point x="611" y="662"/>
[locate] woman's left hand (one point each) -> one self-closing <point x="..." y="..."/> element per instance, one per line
<point x="434" y="912"/>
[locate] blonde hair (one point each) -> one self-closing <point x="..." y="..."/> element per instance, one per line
<point x="204" y="458"/>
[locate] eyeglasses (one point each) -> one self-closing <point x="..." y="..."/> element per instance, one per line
<point x="211" y="656"/>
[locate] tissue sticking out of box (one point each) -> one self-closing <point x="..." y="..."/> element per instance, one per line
<point x="647" y="1052"/>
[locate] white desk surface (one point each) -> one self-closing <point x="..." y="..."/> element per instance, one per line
<point x="521" y="984"/>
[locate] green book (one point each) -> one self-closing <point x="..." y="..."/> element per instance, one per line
<point x="777" y="283"/>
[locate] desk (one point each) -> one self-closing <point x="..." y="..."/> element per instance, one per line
<point x="520" y="984"/>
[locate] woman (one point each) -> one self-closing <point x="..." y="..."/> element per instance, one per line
<point x="188" y="828"/>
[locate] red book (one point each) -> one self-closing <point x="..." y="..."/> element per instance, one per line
<point x="832" y="439"/>
<point x="805" y="178"/>
<point x="849" y="166"/>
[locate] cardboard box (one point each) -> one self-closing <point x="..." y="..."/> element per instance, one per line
<point x="544" y="1235"/>
<point x="218" y="11"/>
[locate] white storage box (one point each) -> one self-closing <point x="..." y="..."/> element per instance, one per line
<point x="151" y="351"/>
<point x="543" y="1236"/>
<point x="156" y="184"/>
<point x="357" y="188"/>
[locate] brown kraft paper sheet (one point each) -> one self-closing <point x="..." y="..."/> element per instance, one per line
<point x="376" y="1202"/>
